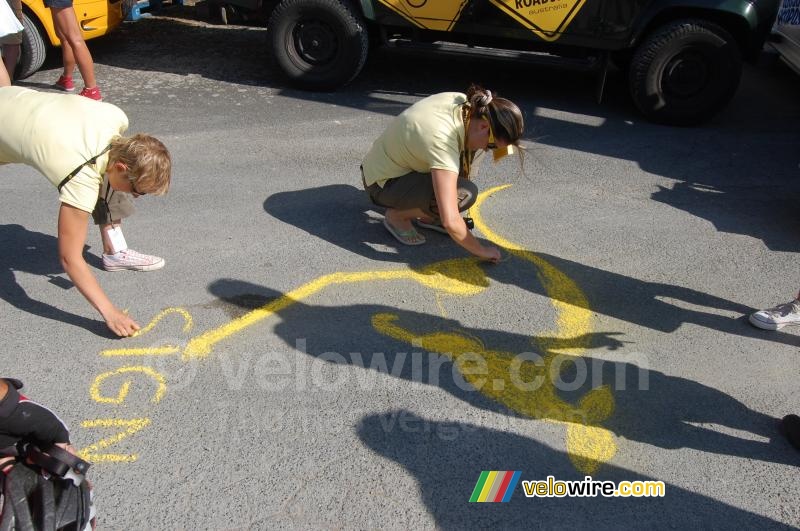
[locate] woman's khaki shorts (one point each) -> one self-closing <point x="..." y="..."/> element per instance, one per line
<point x="415" y="190"/>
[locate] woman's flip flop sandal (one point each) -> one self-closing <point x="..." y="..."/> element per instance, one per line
<point x="406" y="237"/>
<point x="437" y="225"/>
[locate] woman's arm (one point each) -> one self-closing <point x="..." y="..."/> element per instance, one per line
<point x="72" y="227"/>
<point x="445" y="186"/>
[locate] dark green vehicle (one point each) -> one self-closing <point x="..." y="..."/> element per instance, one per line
<point x="683" y="58"/>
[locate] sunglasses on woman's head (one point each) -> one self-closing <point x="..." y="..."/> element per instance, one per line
<point x="497" y="152"/>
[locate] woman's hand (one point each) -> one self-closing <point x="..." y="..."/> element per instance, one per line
<point x="490" y="254"/>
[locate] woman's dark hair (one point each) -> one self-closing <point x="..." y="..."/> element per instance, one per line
<point x="503" y="115"/>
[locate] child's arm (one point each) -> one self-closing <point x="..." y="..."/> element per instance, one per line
<point x="72" y="227"/>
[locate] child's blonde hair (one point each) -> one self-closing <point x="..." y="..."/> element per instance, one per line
<point x="147" y="159"/>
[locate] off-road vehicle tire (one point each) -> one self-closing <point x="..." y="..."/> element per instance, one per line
<point x="685" y="72"/>
<point x="318" y="44"/>
<point x="33" y="51"/>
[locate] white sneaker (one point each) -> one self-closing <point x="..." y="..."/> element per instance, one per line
<point x="130" y="259"/>
<point x="776" y="318"/>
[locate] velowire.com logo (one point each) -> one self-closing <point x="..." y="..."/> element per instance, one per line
<point x="495" y="486"/>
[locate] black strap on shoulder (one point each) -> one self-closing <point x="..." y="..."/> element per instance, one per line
<point x="74" y="172"/>
<point x="15" y="450"/>
<point x="56" y="461"/>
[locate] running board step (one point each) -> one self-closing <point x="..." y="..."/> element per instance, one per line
<point x="588" y="64"/>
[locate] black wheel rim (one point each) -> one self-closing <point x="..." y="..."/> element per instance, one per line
<point x="315" y="42"/>
<point x="686" y="74"/>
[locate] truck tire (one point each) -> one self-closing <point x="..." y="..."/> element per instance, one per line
<point x="33" y="51"/>
<point x="317" y="44"/>
<point x="685" y="72"/>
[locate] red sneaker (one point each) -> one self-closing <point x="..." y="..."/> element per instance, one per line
<point x="91" y="93"/>
<point x="65" y="83"/>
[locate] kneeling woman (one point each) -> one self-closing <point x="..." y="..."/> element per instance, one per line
<point x="419" y="168"/>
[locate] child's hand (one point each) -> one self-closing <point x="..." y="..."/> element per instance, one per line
<point x="121" y="323"/>
<point x="68" y="447"/>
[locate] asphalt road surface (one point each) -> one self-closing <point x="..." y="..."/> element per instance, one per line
<point x="302" y="371"/>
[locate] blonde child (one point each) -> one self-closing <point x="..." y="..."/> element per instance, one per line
<point x="76" y="143"/>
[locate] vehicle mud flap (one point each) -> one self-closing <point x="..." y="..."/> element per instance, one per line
<point x="602" y="76"/>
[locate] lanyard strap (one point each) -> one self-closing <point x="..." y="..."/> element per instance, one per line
<point x="74" y="172"/>
<point x="466" y="155"/>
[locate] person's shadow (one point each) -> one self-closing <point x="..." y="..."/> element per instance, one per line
<point x="768" y="213"/>
<point x="446" y="460"/>
<point x="37" y="254"/>
<point x="342" y="215"/>
<point x="645" y="405"/>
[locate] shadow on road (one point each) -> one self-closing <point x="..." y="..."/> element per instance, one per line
<point x="446" y="459"/>
<point x="341" y="215"/>
<point x="647" y="406"/>
<point x="37" y="254"/>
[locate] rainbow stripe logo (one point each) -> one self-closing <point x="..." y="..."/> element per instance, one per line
<point x="495" y="486"/>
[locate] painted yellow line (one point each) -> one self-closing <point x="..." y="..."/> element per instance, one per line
<point x="188" y="322"/>
<point x="93" y="452"/>
<point x="151" y="351"/>
<point x="527" y="387"/>
<point x="122" y="394"/>
<point x="588" y="446"/>
<point x="457" y="277"/>
<point x="574" y="319"/>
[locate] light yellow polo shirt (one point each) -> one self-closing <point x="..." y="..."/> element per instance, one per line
<point x="56" y="133"/>
<point x="428" y="135"/>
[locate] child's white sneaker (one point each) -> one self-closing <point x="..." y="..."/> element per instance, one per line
<point x="130" y="259"/>
<point x="775" y="318"/>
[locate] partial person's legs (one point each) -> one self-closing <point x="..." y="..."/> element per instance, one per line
<point x="117" y="256"/>
<point x="65" y="81"/>
<point x="67" y="57"/>
<point x="467" y="193"/>
<point x="787" y="314"/>
<point x="791" y="429"/>
<point x="399" y="224"/>
<point x="405" y="198"/>
<point x="11" y="43"/>
<point x="74" y="49"/>
<point x="10" y="58"/>
<point x="5" y="80"/>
